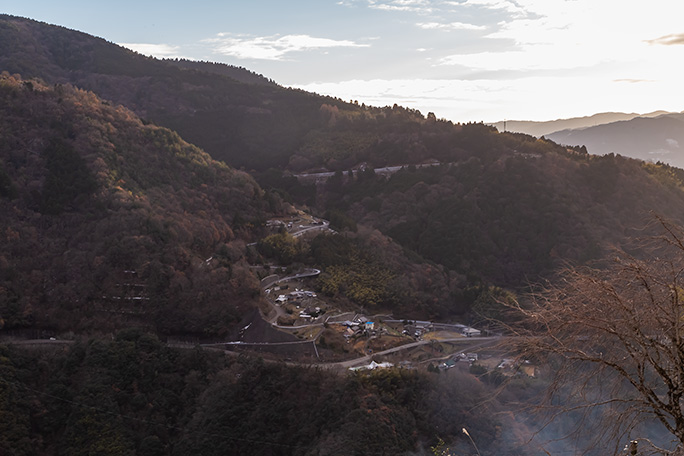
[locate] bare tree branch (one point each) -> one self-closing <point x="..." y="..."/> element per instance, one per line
<point x="614" y="338"/>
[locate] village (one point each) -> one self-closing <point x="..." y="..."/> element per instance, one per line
<point x="356" y="341"/>
<point x="297" y="324"/>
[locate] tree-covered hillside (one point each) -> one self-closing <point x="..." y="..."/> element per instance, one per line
<point x="256" y="125"/>
<point x="243" y="124"/>
<point x="104" y="218"/>
<point x="134" y="396"/>
<point x="512" y="216"/>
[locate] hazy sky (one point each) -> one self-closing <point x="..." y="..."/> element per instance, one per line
<point x="465" y="60"/>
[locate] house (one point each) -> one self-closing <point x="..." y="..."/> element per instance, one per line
<point x="471" y="332"/>
<point x="448" y="364"/>
<point x="281" y="298"/>
<point x="370" y="325"/>
<point x="507" y="364"/>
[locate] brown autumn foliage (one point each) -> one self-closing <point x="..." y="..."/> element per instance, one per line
<point x="613" y="342"/>
<point x="111" y="220"/>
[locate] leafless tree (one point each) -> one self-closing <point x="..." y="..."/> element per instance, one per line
<point x="613" y="340"/>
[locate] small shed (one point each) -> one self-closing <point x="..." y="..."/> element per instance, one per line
<point x="471" y="332"/>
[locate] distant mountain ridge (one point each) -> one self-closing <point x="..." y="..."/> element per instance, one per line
<point x="545" y="128"/>
<point x="655" y="137"/>
<point x="650" y="139"/>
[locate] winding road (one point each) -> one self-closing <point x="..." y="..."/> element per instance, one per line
<point x="365" y="359"/>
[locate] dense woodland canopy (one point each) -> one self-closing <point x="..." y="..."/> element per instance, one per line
<point x="512" y="218"/>
<point x="133" y="395"/>
<point x="103" y="215"/>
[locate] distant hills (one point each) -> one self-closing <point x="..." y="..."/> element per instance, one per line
<point x="656" y="136"/>
<point x="651" y="139"/>
<point x="546" y="128"/>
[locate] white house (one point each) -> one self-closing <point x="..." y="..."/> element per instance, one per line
<point x="471" y="332"/>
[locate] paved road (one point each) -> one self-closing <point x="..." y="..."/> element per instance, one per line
<point x="305" y="229"/>
<point x="479" y="343"/>
<point x="270" y="280"/>
<point x="307" y="273"/>
<point x="37" y="342"/>
<point x="387" y="170"/>
<point x="483" y="341"/>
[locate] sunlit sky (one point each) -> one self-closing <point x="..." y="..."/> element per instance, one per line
<point x="464" y="60"/>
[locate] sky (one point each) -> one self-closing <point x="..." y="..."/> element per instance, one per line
<point x="464" y="60"/>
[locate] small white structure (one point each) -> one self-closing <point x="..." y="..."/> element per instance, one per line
<point x="471" y="332"/>
<point x="373" y="365"/>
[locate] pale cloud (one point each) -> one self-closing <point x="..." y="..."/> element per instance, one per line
<point x="612" y="22"/>
<point x="515" y="9"/>
<point x="633" y="81"/>
<point x="449" y="26"/>
<point x="273" y="47"/>
<point x="554" y="35"/>
<point x="412" y="6"/>
<point x="668" y="40"/>
<point x="163" y="51"/>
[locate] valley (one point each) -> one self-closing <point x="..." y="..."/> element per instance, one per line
<point x="197" y="260"/>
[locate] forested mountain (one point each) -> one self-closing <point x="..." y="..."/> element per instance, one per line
<point x="651" y="139"/>
<point x="504" y="208"/>
<point x="251" y="125"/>
<point x="256" y="126"/>
<point x="511" y="216"/>
<point x="237" y="73"/>
<point x="104" y="218"/>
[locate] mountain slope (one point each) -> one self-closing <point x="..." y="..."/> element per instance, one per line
<point x="651" y="139"/>
<point x="514" y="217"/>
<point x="233" y="72"/>
<point x="105" y="219"/>
<point x="256" y="126"/>
<point x="253" y="125"/>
